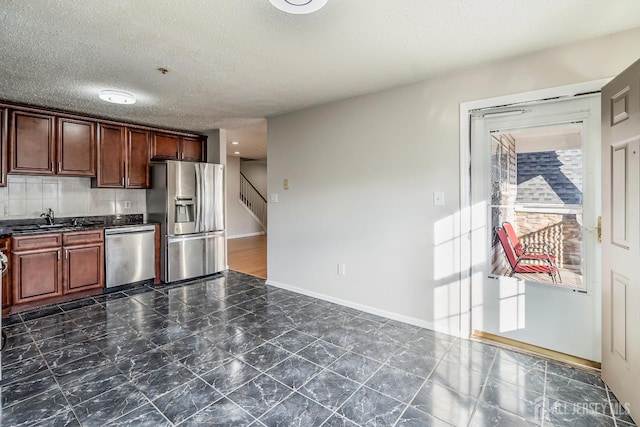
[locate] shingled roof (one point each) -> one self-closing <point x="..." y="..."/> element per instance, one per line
<point x="550" y="177"/>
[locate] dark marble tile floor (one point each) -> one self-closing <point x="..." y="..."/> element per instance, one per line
<point x="230" y="350"/>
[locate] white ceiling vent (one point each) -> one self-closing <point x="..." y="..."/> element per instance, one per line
<point x="299" y="7"/>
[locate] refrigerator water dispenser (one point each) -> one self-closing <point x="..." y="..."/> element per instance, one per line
<point x="184" y="209"/>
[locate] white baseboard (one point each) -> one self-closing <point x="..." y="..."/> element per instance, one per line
<point x="367" y="309"/>
<point x="238" y="236"/>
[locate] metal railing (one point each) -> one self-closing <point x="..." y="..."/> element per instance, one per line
<point x="253" y="200"/>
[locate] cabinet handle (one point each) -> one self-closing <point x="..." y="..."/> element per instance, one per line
<point x="66" y="254"/>
<point x="123" y="181"/>
<point x="58" y="255"/>
<point x="52" y="167"/>
<point x="59" y="166"/>
<point x="177" y="155"/>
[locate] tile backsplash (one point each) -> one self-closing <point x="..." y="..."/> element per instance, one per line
<point x="29" y="196"/>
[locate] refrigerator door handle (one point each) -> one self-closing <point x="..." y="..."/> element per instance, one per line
<point x="216" y="196"/>
<point x="198" y="192"/>
<point x="207" y="197"/>
<point x="204" y="236"/>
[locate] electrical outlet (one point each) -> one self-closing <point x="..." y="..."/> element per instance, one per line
<point x="127" y="204"/>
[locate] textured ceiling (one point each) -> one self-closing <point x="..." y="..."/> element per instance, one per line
<point x="234" y="61"/>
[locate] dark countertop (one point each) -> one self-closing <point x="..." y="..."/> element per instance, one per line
<point x="5" y="232"/>
<point x="65" y="225"/>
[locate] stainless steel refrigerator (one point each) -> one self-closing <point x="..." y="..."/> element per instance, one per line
<point x="187" y="199"/>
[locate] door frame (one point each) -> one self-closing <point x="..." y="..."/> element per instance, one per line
<point x="465" y="176"/>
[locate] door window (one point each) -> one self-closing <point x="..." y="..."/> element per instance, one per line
<point x="536" y="202"/>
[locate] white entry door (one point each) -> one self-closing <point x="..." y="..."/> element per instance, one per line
<point x="547" y="204"/>
<point x="621" y="238"/>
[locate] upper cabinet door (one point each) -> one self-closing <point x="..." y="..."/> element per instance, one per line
<point x="111" y="152"/>
<point x="192" y="149"/>
<point x="3" y="146"/>
<point x="165" y="147"/>
<point x="138" y="158"/>
<point x="76" y="147"/>
<point x="32" y="143"/>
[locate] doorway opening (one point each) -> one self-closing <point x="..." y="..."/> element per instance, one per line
<point x="248" y="255"/>
<point x="534" y="171"/>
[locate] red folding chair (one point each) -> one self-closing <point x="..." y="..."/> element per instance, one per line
<point x="531" y="251"/>
<point x="516" y="262"/>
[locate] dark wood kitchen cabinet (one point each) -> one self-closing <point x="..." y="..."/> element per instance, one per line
<point x="57" y="267"/>
<point x="123" y="157"/>
<point x="111" y="143"/>
<point x="44" y="144"/>
<point x="5" y="247"/>
<point x="137" y="158"/>
<point x="41" y="141"/>
<point x="165" y="147"/>
<point x="83" y="266"/>
<point x="32" y="143"/>
<point x="4" y="142"/>
<point x="192" y="149"/>
<point x="76" y="147"/>
<point x="175" y="147"/>
<point x="36" y="265"/>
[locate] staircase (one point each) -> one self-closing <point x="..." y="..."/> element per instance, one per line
<point x="253" y="200"/>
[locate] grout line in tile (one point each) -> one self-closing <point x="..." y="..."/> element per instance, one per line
<point x="615" y="420"/>
<point x="484" y="384"/>
<point x="545" y="398"/>
<point x="70" y="406"/>
<point x="424" y="383"/>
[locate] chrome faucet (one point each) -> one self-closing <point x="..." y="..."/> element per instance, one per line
<point x="49" y="216"/>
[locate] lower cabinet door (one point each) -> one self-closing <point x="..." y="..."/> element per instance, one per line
<point x="83" y="268"/>
<point x="36" y="275"/>
<point x="5" y="245"/>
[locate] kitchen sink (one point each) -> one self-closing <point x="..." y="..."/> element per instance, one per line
<point x="24" y="227"/>
<point x="37" y="227"/>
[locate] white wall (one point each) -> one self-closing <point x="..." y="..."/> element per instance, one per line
<point x="239" y="221"/>
<point x="256" y="173"/>
<point x="29" y="196"/>
<point x="217" y="146"/>
<point x="362" y="173"/>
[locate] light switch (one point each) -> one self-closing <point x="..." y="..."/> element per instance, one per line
<point x="438" y="198"/>
<point x="274" y="197"/>
<point x="342" y="269"/>
<point x="285" y="184"/>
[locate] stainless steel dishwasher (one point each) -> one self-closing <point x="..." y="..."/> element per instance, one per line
<point x="129" y="254"/>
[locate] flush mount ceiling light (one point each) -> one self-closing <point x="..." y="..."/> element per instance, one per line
<point x="117" y="96"/>
<point x="234" y="143"/>
<point x="236" y="152"/>
<point x="299" y="7"/>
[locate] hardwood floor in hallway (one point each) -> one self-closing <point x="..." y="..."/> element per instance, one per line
<point x="248" y="255"/>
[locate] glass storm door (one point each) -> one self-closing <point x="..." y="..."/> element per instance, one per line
<point x="535" y="180"/>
